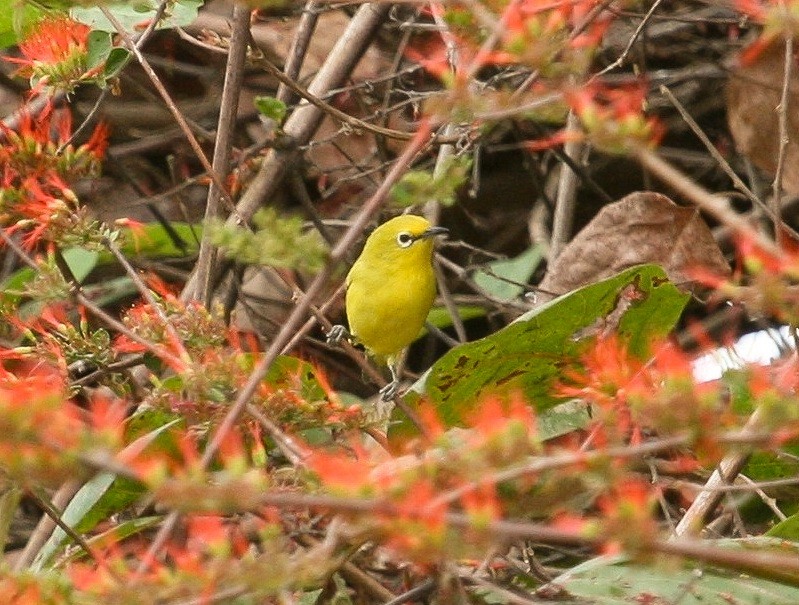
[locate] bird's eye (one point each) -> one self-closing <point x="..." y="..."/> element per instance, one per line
<point x="404" y="239"/>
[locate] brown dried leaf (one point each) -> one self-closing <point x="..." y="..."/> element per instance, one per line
<point x="753" y="98"/>
<point x="643" y="227"/>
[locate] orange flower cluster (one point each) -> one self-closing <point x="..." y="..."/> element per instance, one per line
<point x="55" y="55"/>
<point x="38" y="161"/>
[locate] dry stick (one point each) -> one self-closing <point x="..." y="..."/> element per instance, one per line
<point x="767" y="500"/>
<point x="290" y="325"/>
<point x="298" y="50"/>
<point x="140" y="40"/>
<point x="201" y="285"/>
<point x="711" y="495"/>
<point x="345" y="118"/>
<point x="172" y="333"/>
<point x="715" y="205"/>
<point x="449" y="304"/>
<point x="563" y="221"/>
<point x="620" y="61"/>
<point x="304" y="120"/>
<point x="725" y="166"/>
<point x="184" y="126"/>
<point x="776" y="202"/>
<point x="432" y="209"/>
<point x="46" y="525"/>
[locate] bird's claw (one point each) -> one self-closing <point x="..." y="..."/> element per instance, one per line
<point x="388" y="392"/>
<point x="337" y="334"/>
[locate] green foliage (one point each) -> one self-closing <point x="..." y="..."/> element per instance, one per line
<point x="533" y="353"/>
<point x="271" y="108"/>
<point x="277" y="242"/>
<point x="620" y="582"/>
<point x="136" y="14"/>
<point x="155" y="240"/>
<point x="16" y="19"/>
<point x="505" y="279"/>
<point x="101" y="51"/>
<point x="420" y="186"/>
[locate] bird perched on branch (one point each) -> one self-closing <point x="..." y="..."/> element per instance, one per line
<point x="390" y="290"/>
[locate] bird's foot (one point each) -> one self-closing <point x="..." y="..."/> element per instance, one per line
<point x="337" y="334"/>
<point x="388" y="392"/>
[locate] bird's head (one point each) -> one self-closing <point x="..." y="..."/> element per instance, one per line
<point x="407" y="238"/>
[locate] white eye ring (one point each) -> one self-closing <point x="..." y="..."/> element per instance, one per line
<point x="404" y="239"/>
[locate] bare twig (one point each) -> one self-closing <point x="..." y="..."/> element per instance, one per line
<point x="623" y="56"/>
<point x="726" y="472"/>
<point x="202" y="284"/>
<point x="299" y="47"/>
<point x="303" y="122"/>
<point x="776" y="202"/>
<point x="162" y="91"/>
<point x="712" y="150"/>
<point x="566" y="201"/>
<point x="715" y="205"/>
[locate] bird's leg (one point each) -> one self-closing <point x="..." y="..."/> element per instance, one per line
<point x="337" y="334"/>
<point x="388" y="392"/>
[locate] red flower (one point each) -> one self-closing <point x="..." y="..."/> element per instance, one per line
<point x="55" y="54"/>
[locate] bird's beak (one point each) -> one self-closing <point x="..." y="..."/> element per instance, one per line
<point x="432" y="232"/>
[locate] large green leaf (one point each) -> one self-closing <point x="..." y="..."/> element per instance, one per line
<point x="609" y="581"/>
<point x="531" y="354"/>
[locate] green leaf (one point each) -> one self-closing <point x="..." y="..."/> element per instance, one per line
<point x="81" y="262"/>
<point x="440" y="317"/>
<point x="102" y="496"/>
<point x="10" y="498"/>
<point x="135" y="15"/>
<point x="98" y="46"/>
<point x="271" y="108"/>
<point x="609" y="581"/>
<point x="115" y="62"/>
<point x="16" y="19"/>
<point x="787" y="529"/>
<point x="12" y="286"/>
<point x="502" y="278"/>
<point x="154" y="240"/>
<point x="530" y="355"/>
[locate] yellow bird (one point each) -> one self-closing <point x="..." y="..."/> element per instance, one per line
<point x="390" y="290"/>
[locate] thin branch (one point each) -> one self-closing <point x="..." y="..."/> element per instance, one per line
<point x="715" y="205"/>
<point x="304" y="121"/>
<point x="776" y="202"/>
<point x="162" y="91"/>
<point x="623" y="56"/>
<point x="726" y="472"/>
<point x="234" y="76"/>
<point x="563" y="221"/>
<point x="298" y="50"/>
